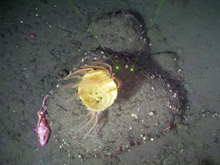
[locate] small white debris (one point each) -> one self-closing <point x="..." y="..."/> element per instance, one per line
<point x="152" y="88"/>
<point x="126" y="66"/>
<point x="144" y="138"/>
<point x="134" y="115"/>
<point x="79" y="156"/>
<point x="151" y="113"/>
<point x="58" y="86"/>
<point x="152" y="77"/>
<point x="102" y="52"/>
<point x="130" y="128"/>
<point x="83" y="59"/>
<point x="152" y="139"/>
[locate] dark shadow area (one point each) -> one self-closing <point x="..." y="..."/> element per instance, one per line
<point x="145" y="67"/>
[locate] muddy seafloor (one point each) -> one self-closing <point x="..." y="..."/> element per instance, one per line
<point x="150" y="101"/>
<point x="148" y="104"/>
<point x="42" y="41"/>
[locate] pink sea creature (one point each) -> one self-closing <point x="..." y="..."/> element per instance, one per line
<point x="32" y="35"/>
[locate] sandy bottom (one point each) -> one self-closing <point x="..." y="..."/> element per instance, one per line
<point x="146" y="107"/>
<point x="167" y="111"/>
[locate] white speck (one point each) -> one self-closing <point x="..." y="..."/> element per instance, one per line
<point x="134" y="115"/>
<point x="21" y="21"/>
<point x="152" y="139"/>
<point x="58" y="86"/>
<point x="36" y="15"/>
<point x="151" y="113"/>
<point x="130" y="128"/>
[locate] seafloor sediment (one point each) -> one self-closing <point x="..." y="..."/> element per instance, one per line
<point x="148" y="105"/>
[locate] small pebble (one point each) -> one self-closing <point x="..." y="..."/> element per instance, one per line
<point x="151" y="113"/>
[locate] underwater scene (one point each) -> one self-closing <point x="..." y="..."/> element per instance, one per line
<point x="110" y="82"/>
